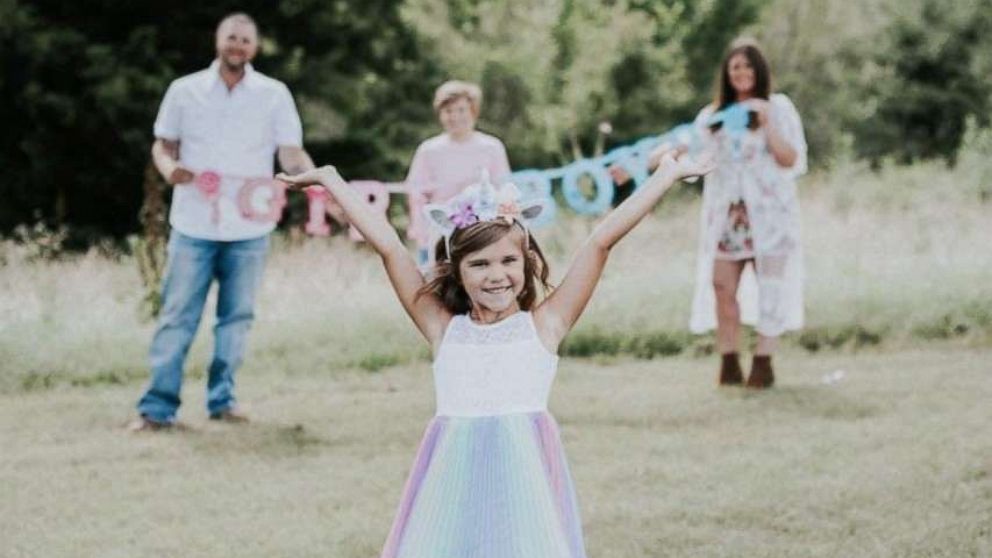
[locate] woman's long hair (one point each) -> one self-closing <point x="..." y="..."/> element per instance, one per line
<point x="446" y="283"/>
<point x="726" y="95"/>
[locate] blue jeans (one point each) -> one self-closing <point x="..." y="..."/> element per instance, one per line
<point x="192" y="266"/>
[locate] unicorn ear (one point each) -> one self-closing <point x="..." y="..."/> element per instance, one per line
<point x="532" y="210"/>
<point x="437" y="216"/>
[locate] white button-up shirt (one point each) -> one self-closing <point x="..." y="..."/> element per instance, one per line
<point x="234" y="133"/>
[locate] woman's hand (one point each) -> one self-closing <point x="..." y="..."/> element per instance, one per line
<point x="784" y="153"/>
<point x="326" y="175"/>
<point x="760" y="108"/>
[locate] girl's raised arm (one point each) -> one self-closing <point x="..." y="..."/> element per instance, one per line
<point x="559" y="312"/>
<point x="427" y="312"/>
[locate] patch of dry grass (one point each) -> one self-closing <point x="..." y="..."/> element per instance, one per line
<point x="891" y="461"/>
<point x="893" y="259"/>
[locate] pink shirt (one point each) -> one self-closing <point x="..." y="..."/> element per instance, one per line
<point x="442" y="168"/>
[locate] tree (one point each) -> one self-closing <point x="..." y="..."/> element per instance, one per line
<point x="821" y="53"/>
<point x="932" y="85"/>
<point x="81" y="83"/>
<point x="553" y="70"/>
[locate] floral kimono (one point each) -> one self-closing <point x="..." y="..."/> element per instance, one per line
<point x="751" y="212"/>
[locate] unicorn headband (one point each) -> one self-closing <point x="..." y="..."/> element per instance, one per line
<point x="482" y="202"/>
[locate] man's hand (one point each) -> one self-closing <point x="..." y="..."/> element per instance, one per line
<point x="165" y="155"/>
<point x="180" y="175"/>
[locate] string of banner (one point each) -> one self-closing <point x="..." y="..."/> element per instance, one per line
<point x="261" y="199"/>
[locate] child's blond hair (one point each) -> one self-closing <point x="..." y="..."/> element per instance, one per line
<point x="451" y="91"/>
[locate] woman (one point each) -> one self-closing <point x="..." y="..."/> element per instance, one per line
<point x="445" y="164"/>
<point x="750" y="215"/>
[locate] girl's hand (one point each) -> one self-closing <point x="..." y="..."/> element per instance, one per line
<point x="654" y="158"/>
<point x="685" y="166"/>
<point x="325" y="175"/>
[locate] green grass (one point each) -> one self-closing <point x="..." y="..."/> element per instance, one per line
<point x="891" y="461"/>
<point x="893" y="259"/>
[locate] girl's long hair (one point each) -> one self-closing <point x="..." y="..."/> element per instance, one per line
<point x="446" y="283"/>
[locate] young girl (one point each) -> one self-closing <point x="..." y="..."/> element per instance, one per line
<point x="490" y="478"/>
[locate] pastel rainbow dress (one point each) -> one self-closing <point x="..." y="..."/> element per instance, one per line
<point x="490" y="479"/>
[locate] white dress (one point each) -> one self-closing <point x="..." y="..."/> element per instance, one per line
<point x="771" y="298"/>
<point x="490" y="479"/>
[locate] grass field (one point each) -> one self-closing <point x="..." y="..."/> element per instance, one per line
<point x="893" y="460"/>
<point x="893" y="259"/>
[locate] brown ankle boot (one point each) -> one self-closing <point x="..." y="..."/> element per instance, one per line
<point x="730" y="370"/>
<point x="761" y="375"/>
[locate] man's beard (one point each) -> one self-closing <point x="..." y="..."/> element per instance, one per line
<point x="236" y="67"/>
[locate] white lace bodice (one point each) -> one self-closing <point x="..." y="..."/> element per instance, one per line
<point x="494" y="369"/>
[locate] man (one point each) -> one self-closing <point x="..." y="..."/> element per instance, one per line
<point x="216" y="129"/>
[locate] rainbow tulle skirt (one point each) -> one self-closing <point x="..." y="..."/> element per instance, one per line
<point x="488" y="487"/>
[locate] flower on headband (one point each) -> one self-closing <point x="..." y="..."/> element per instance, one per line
<point x="508" y="203"/>
<point x="509" y="211"/>
<point x="480" y="203"/>
<point x="463" y="216"/>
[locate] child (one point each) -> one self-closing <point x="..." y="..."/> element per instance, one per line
<point x="490" y="478"/>
<point x="449" y="162"/>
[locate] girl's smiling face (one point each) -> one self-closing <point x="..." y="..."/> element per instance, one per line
<point x="493" y="277"/>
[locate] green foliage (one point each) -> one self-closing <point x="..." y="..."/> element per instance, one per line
<point x="932" y="86"/>
<point x="959" y="324"/>
<point x="40" y="242"/>
<point x="856" y="336"/>
<point x="713" y="25"/>
<point x="150" y="248"/>
<point x="82" y="83"/>
<point x="882" y="77"/>
<point x="819" y="54"/>
<point x="376" y="361"/>
<point x="552" y="71"/>
<point x="639" y="344"/>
